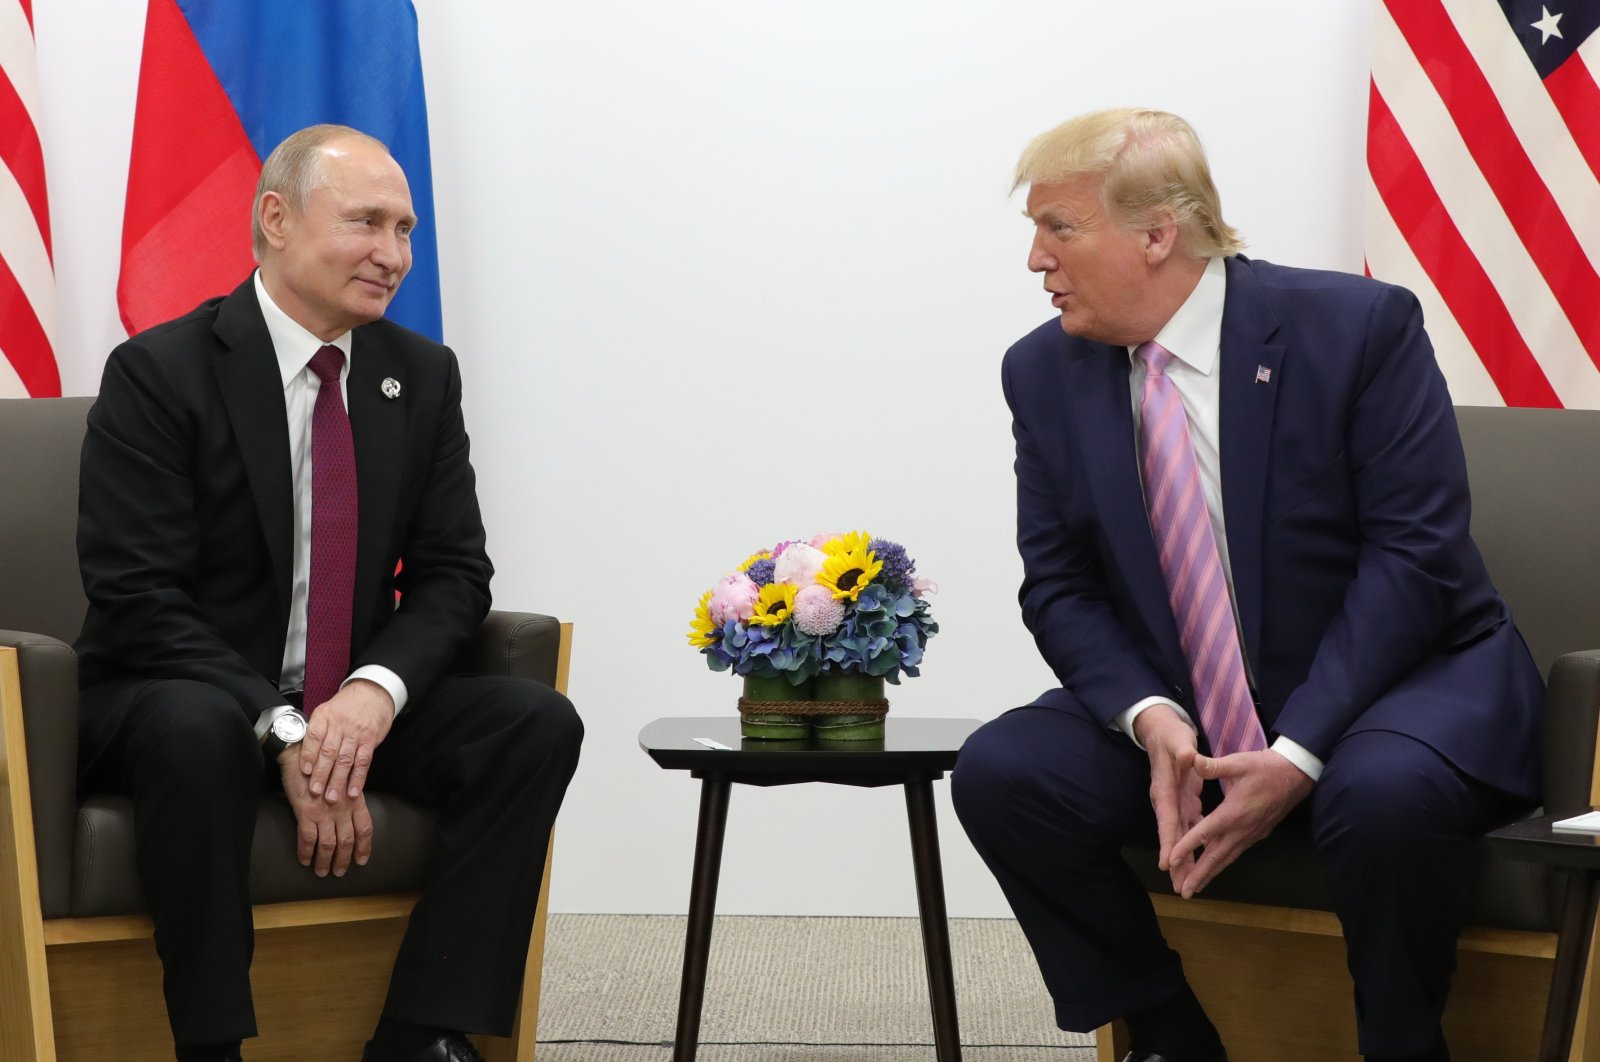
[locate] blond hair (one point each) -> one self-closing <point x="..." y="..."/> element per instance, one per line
<point x="294" y="170"/>
<point x="1154" y="167"/>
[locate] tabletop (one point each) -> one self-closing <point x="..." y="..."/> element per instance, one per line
<point x="1533" y="839"/>
<point x="909" y="744"/>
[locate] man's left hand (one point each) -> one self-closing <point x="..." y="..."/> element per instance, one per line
<point x="344" y="732"/>
<point x="1262" y="787"/>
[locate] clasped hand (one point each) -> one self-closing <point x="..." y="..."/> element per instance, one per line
<point x="1260" y="788"/>
<point x="325" y="777"/>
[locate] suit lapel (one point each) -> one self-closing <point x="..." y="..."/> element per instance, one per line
<point x="378" y="424"/>
<point x="1102" y="408"/>
<point x="1250" y="368"/>
<point x="252" y="392"/>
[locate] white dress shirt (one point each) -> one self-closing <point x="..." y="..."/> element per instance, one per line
<point x="1193" y="336"/>
<point x="295" y="347"/>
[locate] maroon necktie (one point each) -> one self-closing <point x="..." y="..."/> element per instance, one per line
<point x="333" y="535"/>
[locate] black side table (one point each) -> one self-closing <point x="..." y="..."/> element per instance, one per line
<point x="1579" y="855"/>
<point x="914" y="753"/>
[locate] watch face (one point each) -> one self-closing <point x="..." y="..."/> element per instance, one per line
<point x="289" y="727"/>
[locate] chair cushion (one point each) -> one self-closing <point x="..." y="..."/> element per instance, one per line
<point x="105" y="880"/>
<point x="1283" y="871"/>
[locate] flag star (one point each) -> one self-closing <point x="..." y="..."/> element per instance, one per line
<point x="1550" y="25"/>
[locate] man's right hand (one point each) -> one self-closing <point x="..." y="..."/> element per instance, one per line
<point x="1174" y="783"/>
<point x="331" y="834"/>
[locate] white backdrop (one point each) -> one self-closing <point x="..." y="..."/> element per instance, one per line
<point x="722" y="272"/>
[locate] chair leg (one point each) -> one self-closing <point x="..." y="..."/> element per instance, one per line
<point x="524" y="1035"/>
<point x="25" y="1021"/>
<point x="1110" y="1042"/>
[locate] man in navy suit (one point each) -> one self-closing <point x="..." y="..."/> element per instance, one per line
<point x="1397" y="699"/>
<point x="201" y="535"/>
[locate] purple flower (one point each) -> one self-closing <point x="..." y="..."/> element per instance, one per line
<point x="898" y="568"/>
<point x="760" y="572"/>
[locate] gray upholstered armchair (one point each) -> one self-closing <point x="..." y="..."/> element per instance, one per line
<point x="79" y="977"/>
<point x="1264" y="927"/>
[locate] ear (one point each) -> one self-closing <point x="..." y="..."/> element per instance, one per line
<point x="1161" y="242"/>
<point x="276" y="219"/>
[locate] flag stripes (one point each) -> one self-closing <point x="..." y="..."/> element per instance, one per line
<point x="27" y="276"/>
<point x="1488" y="174"/>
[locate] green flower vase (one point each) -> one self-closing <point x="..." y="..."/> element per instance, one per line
<point x="848" y="686"/>
<point x="775" y="725"/>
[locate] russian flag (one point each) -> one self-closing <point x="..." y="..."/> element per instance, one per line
<point x="220" y="85"/>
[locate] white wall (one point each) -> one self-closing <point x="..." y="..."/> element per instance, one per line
<point x="728" y="271"/>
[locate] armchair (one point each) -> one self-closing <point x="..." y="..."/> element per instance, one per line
<point x="1264" y="928"/>
<point x="79" y="977"/>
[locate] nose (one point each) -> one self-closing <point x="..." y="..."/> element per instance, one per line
<point x="1039" y="259"/>
<point x="389" y="250"/>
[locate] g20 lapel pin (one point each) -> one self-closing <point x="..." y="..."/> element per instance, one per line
<point x="390" y="387"/>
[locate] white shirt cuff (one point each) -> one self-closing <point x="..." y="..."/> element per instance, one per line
<point x="391" y="682"/>
<point x="1124" y="721"/>
<point x="1296" y="754"/>
<point x="265" y="720"/>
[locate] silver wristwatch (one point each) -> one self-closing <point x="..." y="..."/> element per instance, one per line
<point x="288" y="728"/>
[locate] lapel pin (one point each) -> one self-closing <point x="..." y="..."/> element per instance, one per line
<point x="1263" y="375"/>
<point x="391" y="387"/>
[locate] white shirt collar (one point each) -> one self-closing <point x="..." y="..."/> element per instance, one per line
<point x="1194" y="334"/>
<point x="293" y="344"/>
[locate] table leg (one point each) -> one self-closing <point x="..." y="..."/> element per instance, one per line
<point x="1572" y="957"/>
<point x="702" y="909"/>
<point x="935" y="925"/>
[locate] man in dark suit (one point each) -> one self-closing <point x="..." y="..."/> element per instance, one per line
<point x="1385" y="699"/>
<point x="252" y="474"/>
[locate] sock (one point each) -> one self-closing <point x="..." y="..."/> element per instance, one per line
<point x="399" y="1039"/>
<point x="222" y="1052"/>
<point x="1177" y="1027"/>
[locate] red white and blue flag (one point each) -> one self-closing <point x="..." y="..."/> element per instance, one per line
<point x="219" y="86"/>
<point x="1483" y="148"/>
<point x="27" y="276"/>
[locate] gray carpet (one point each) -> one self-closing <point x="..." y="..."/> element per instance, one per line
<point x="791" y="990"/>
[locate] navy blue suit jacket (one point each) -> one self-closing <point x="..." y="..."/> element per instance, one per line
<point x="1363" y="603"/>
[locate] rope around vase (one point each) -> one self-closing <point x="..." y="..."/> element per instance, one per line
<point x="879" y="708"/>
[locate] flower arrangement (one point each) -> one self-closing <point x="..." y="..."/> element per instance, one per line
<point x="833" y="606"/>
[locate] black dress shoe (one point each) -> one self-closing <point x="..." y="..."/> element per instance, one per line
<point x="1152" y="1056"/>
<point x="451" y="1047"/>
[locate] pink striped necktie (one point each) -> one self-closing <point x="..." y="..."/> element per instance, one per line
<point x="333" y="534"/>
<point x="1196" y="588"/>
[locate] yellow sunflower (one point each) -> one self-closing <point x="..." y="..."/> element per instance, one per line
<point x="774" y="605"/>
<point x="765" y="554"/>
<point x="702" y="630"/>
<point x="843" y="545"/>
<point x="845" y="572"/>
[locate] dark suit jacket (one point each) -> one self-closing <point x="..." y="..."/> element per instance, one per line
<point x="1363" y="602"/>
<point x="185" y="510"/>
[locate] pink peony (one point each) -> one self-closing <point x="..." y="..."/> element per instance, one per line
<point x="733" y="598"/>
<point x="818" y="541"/>
<point x="799" y="565"/>
<point x="816" y="612"/>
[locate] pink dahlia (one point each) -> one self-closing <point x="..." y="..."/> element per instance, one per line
<point x="733" y="598"/>
<point x="816" y="612"/>
<point x="799" y="565"/>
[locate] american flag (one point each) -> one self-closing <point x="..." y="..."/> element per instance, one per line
<point x="27" y="276"/>
<point x="1483" y="149"/>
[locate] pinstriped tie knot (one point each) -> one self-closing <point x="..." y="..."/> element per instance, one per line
<point x="1197" y="589"/>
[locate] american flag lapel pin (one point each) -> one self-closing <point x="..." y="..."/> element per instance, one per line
<point x="1263" y="374"/>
